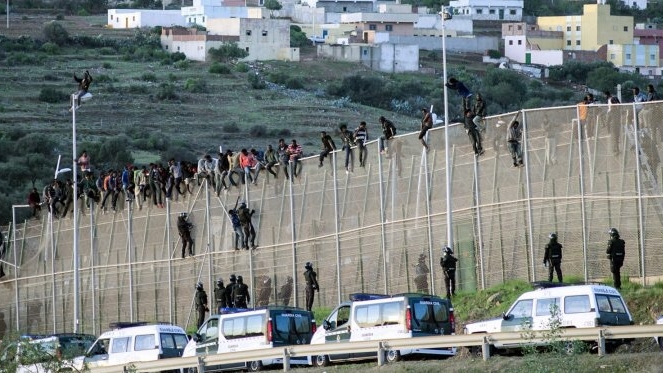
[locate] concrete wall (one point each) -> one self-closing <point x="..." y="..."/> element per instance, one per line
<point x="133" y="18"/>
<point x="478" y="44"/>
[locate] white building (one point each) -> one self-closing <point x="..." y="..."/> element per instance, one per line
<point x="640" y="4"/>
<point x="489" y="10"/>
<point x="137" y="18"/>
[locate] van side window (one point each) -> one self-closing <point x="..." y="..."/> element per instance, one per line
<point x="576" y="304"/>
<point x="211" y="330"/>
<point x="255" y="325"/>
<point x="233" y="328"/>
<point x="522" y="309"/>
<point x="343" y="315"/>
<point x="391" y="314"/>
<point x="368" y="315"/>
<point x="120" y="345"/>
<point x="431" y="314"/>
<point x="610" y="303"/>
<point x="144" y="342"/>
<point x="545" y="306"/>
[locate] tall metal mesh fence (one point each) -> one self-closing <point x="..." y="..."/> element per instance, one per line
<point x="377" y="228"/>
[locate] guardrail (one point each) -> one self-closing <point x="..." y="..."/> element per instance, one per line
<point x="599" y="335"/>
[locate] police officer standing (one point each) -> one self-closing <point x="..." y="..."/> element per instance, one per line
<point x="241" y="295"/>
<point x="201" y="303"/>
<point x="448" y="264"/>
<point x="184" y="229"/>
<point x="615" y="254"/>
<point x="230" y="301"/>
<point x="311" y="284"/>
<point x="220" y="295"/>
<point x="552" y="257"/>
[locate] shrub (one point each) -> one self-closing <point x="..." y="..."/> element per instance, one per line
<point x="242" y="67"/>
<point x="294" y="83"/>
<point x="492" y="53"/>
<point x="256" y="81"/>
<point x="148" y="77"/>
<point x="52" y="96"/>
<point x="56" y="33"/>
<point x="59" y="17"/>
<point x="137" y="89"/>
<point x="258" y="131"/>
<point x="83" y="13"/>
<point x="106" y="51"/>
<point x="103" y="78"/>
<point x="50" y="48"/>
<point x="107" y="65"/>
<point x="181" y="65"/>
<point x="279" y="77"/>
<point x="166" y="92"/>
<point x="177" y="56"/>
<point x="172" y="77"/>
<point x="196" y="85"/>
<point x="218" y="68"/>
<point x="230" y="128"/>
<point x="16" y="59"/>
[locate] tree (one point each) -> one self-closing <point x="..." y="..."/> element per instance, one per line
<point x="272" y="5"/>
<point x="56" y="33"/>
<point x="227" y="53"/>
<point x="297" y="37"/>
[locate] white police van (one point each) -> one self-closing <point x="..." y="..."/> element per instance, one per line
<point x="376" y="317"/>
<point x="252" y="329"/>
<point x="134" y="342"/>
<point x="577" y="306"/>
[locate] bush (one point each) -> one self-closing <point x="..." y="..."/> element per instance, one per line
<point x="56" y="33"/>
<point x="166" y="92"/>
<point x="181" y="65"/>
<point x="16" y="59"/>
<point x="107" y="65"/>
<point x="50" y="48"/>
<point x="294" y="83"/>
<point x="103" y="78"/>
<point x="148" y="77"/>
<point x="60" y="17"/>
<point x="106" y="51"/>
<point x="256" y="81"/>
<point x="258" y="131"/>
<point x="83" y="13"/>
<point x="196" y="85"/>
<point x="492" y="53"/>
<point x="230" y="128"/>
<point x="218" y="68"/>
<point x="242" y="67"/>
<point x="137" y="89"/>
<point x="52" y="96"/>
<point x="279" y="77"/>
<point x="177" y="56"/>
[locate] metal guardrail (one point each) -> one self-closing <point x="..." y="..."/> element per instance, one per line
<point x="600" y="335"/>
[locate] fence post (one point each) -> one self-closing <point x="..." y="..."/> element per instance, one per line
<point x="485" y="349"/>
<point x="601" y="342"/>
<point x="381" y="350"/>
<point x="201" y="365"/>
<point x="286" y="360"/>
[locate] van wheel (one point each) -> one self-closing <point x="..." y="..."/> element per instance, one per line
<point x="321" y="361"/>
<point x="660" y="343"/>
<point x="192" y="370"/>
<point x="255" y="366"/>
<point x="393" y="356"/>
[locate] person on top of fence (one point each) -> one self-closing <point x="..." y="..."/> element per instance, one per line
<point x="347" y="139"/>
<point x="472" y="131"/>
<point x="426" y="124"/>
<point x="388" y="132"/>
<point x="463" y="91"/>
<point x="479" y="110"/>
<point x="514" y="135"/>
<point x="361" y="138"/>
<point x="328" y="146"/>
<point x="83" y="86"/>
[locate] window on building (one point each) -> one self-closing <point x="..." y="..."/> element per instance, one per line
<point x="372" y="27"/>
<point x="520" y="42"/>
<point x="491" y="11"/>
<point x="133" y="18"/>
<point x="264" y="32"/>
<point x="577" y="42"/>
<point x="248" y="32"/>
<point x="178" y="48"/>
<point x="203" y="19"/>
<point x="520" y="27"/>
<point x="111" y="17"/>
<point x="625" y="28"/>
<point x="512" y="12"/>
<point x="652" y="57"/>
<point x="510" y="42"/>
<point x="389" y="27"/>
<point x="510" y="27"/>
<point x="568" y="43"/>
<point x="628" y="56"/>
<point x="345" y="9"/>
<point x="479" y="11"/>
<point x="612" y="56"/>
<point x="610" y="41"/>
<point x="577" y="28"/>
<point x="568" y="28"/>
<point x="261" y="2"/>
<point x="246" y="49"/>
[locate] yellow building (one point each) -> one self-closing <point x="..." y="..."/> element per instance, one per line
<point x="591" y="30"/>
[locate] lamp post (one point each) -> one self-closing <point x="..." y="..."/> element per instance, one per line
<point x="446" y="15"/>
<point x="15" y="265"/>
<point x="74" y="107"/>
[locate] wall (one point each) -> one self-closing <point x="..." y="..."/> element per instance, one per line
<point x="478" y="44"/>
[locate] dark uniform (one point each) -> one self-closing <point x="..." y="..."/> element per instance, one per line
<point x="286" y="291"/>
<point x="311" y="285"/>
<point x="421" y="272"/>
<point x="201" y="303"/>
<point x="615" y="252"/>
<point x="229" y="291"/>
<point x="448" y="264"/>
<point x="553" y="257"/>
<point x="249" y="231"/>
<point x="184" y="229"/>
<point x="220" y="296"/>
<point x="265" y="292"/>
<point x="241" y="295"/>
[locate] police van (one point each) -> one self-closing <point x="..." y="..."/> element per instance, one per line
<point x="134" y="342"/>
<point x="575" y="306"/>
<point x="376" y="317"/>
<point x="252" y="329"/>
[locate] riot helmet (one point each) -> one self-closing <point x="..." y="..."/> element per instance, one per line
<point x="447" y="250"/>
<point x="613" y="232"/>
<point x="199" y="286"/>
<point x="183" y="215"/>
<point x="308" y="265"/>
<point x="233" y="278"/>
<point x="219" y="282"/>
<point x="553" y="236"/>
<point x="240" y="279"/>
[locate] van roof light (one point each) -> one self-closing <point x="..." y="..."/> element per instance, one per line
<point x="356" y="297"/>
<point x="126" y="324"/>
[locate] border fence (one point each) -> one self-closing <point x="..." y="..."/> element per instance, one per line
<point x="376" y="229"/>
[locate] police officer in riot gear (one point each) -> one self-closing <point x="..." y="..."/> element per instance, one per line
<point x="311" y="285"/>
<point x="230" y="302"/>
<point x="201" y="303"/>
<point x="615" y="253"/>
<point x="220" y="295"/>
<point x="448" y="264"/>
<point x="552" y="257"/>
<point x="184" y="229"/>
<point x="241" y="295"/>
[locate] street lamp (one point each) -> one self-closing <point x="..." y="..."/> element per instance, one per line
<point x="445" y="14"/>
<point x="74" y="107"/>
